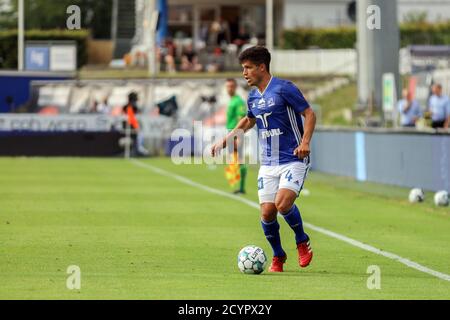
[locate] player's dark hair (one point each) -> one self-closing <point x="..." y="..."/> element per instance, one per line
<point x="133" y="97"/>
<point x="231" y="80"/>
<point x="257" y="55"/>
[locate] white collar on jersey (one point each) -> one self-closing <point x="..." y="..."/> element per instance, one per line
<point x="268" y="84"/>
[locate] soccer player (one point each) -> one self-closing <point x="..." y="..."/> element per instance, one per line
<point x="236" y="111"/>
<point x="276" y="106"/>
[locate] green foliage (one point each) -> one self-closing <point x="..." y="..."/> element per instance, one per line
<point x="415" y="17"/>
<point x="45" y="14"/>
<point x="8" y="16"/>
<point x="329" y="38"/>
<point x="8" y="44"/>
<point x="425" y="33"/>
<point x="338" y="38"/>
<point x="334" y="105"/>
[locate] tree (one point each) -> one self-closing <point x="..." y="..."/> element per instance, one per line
<point x="50" y="14"/>
<point x="414" y="17"/>
<point x="8" y="17"/>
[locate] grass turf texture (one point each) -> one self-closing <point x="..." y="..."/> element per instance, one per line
<point x="139" y="235"/>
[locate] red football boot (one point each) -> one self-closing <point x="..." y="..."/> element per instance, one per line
<point x="305" y="253"/>
<point x="277" y="264"/>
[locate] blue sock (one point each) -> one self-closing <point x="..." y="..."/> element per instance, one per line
<point x="272" y="233"/>
<point x="294" y="220"/>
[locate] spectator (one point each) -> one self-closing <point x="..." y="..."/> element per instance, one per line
<point x="219" y="33"/>
<point x="204" y="33"/>
<point x="439" y="107"/>
<point x="167" y="54"/>
<point x="409" y="109"/>
<point x="216" y="61"/>
<point x="224" y="35"/>
<point x="189" y="60"/>
<point x="242" y="38"/>
<point x="103" y="107"/>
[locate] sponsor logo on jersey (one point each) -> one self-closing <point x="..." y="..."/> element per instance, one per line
<point x="263" y="118"/>
<point x="261" y="104"/>
<point x="271" y="102"/>
<point x="271" y="133"/>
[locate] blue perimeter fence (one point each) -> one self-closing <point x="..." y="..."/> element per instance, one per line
<point x="397" y="157"/>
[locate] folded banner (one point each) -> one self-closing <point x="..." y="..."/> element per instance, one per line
<point x="232" y="172"/>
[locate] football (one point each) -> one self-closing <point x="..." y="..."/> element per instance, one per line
<point x="416" y="195"/>
<point x="252" y="260"/>
<point x="441" y="198"/>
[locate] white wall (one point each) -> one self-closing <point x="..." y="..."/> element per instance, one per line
<point x="334" y="61"/>
<point x="315" y="13"/>
<point x="436" y="9"/>
<point x="329" y="13"/>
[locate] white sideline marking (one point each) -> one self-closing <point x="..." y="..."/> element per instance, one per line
<point x="329" y="233"/>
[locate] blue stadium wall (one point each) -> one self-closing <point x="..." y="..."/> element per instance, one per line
<point x="407" y="159"/>
<point x="17" y="85"/>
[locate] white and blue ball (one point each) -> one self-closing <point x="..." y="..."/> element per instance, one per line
<point x="416" y="195"/>
<point x="252" y="260"/>
<point x="441" y="198"/>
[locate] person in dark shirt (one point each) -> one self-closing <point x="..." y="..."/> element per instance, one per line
<point x="189" y="60"/>
<point x="131" y="110"/>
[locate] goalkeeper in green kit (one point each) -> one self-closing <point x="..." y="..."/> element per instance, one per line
<point x="237" y="109"/>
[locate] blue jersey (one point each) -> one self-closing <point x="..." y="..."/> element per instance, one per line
<point x="280" y="126"/>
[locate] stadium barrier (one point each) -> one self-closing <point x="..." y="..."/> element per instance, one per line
<point x="315" y="61"/>
<point x="402" y="157"/>
<point x="71" y="143"/>
<point x="75" y="135"/>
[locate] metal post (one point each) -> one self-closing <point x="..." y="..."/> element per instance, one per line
<point x="269" y="25"/>
<point x="127" y="141"/>
<point x="378" y="48"/>
<point x="21" y="36"/>
<point x="114" y="17"/>
<point x="150" y="24"/>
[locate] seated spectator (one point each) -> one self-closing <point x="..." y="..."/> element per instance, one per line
<point x="224" y="34"/>
<point x="439" y="107"/>
<point x="242" y="38"/>
<point x="103" y="107"/>
<point x="167" y="54"/>
<point x="409" y="110"/>
<point x="189" y="60"/>
<point x="216" y="61"/>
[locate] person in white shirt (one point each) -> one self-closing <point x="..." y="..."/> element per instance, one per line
<point x="409" y="110"/>
<point x="439" y="106"/>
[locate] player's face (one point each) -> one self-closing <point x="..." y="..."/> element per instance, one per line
<point x="438" y="90"/>
<point x="231" y="88"/>
<point x="252" y="73"/>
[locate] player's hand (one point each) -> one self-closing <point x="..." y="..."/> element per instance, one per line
<point x="215" y="149"/>
<point x="303" y="150"/>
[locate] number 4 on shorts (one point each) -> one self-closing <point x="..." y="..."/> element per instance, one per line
<point x="260" y="183"/>
<point x="289" y="176"/>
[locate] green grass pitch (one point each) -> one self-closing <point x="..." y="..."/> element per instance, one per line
<point x="136" y="234"/>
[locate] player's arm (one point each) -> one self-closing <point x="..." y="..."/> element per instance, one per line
<point x="406" y="107"/>
<point x="304" y="149"/>
<point x="294" y="98"/>
<point x="244" y="125"/>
